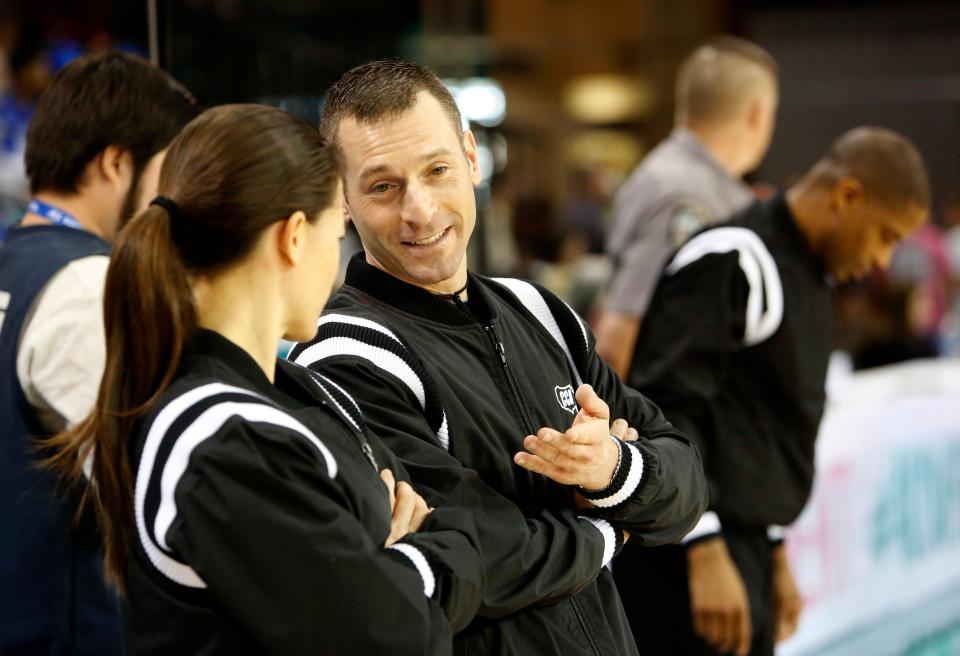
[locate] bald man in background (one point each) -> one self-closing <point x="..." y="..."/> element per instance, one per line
<point x="726" y="99"/>
<point x="735" y="349"/>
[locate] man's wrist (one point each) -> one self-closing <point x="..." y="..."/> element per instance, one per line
<point x="707" y="550"/>
<point x="616" y="458"/>
<point x="628" y="477"/>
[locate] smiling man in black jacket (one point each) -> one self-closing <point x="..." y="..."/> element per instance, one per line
<point x="458" y="373"/>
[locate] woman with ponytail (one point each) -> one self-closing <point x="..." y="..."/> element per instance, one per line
<point x="244" y="505"/>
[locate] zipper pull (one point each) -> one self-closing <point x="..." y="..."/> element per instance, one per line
<point x="368" y="451"/>
<point x="501" y="353"/>
<point x="497" y="344"/>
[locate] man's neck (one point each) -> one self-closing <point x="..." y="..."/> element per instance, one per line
<point x="73" y="204"/>
<point x="724" y="147"/>
<point x="456" y="285"/>
<point x="809" y="212"/>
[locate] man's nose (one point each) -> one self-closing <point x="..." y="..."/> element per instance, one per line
<point x="882" y="258"/>
<point x="418" y="206"/>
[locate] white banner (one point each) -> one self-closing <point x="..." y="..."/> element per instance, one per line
<point x="876" y="553"/>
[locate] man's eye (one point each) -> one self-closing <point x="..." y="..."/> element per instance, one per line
<point x="438" y="170"/>
<point x="380" y="188"/>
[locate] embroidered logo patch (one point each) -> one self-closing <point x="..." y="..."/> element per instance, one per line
<point x="565" y="398"/>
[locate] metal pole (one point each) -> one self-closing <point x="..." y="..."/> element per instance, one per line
<point x="152" y="32"/>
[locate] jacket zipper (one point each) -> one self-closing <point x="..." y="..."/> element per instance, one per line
<point x="583" y="626"/>
<point x="358" y="434"/>
<point x="514" y="388"/>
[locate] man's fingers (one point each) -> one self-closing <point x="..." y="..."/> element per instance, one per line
<point x="725" y="628"/>
<point x="744" y="634"/>
<point x="549" y="435"/>
<point x="406" y="505"/>
<point x="420" y="513"/>
<point x="582" y="434"/>
<point x="787" y="620"/>
<point x="387" y="477"/>
<point x="619" y="428"/>
<point x="592" y="404"/>
<point x="538" y="465"/>
<point x="548" y="452"/>
<point x="709" y="628"/>
<point x="700" y="624"/>
<point x="785" y="629"/>
<point x="569" y="456"/>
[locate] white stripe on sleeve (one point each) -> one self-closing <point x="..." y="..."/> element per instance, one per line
<point x="631" y="482"/>
<point x="709" y="524"/>
<point x="609" y="536"/>
<point x="765" y="297"/>
<point x="531" y="299"/>
<point x="420" y="562"/>
<point x="382" y="358"/>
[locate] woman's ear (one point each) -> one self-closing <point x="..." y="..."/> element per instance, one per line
<point x="292" y="238"/>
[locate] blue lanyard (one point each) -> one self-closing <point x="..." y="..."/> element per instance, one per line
<point x="53" y="214"/>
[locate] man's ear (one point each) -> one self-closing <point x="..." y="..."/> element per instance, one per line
<point x="473" y="161"/>
<point x="847" y="195"/>
<point x="347" y="217"/>
<point x="755" y="113"/>
<point x="115" y="166"/>
<point x="292" y="238"/>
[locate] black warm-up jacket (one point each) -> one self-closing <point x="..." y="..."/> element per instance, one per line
<point x="453" y="388"/>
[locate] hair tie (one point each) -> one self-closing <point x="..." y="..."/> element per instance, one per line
<point x="172" y="208"/>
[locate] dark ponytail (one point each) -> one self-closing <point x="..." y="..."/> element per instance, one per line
<point x="231" y="173"/>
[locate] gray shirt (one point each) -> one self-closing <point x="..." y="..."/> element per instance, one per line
<point x="676" y="190"/>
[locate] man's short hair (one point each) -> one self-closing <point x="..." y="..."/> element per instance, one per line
<point x="713" y="81"/>
<point x="96" y="101"/>
<point x="886" y="163"/>
<point x="382" y="89"/>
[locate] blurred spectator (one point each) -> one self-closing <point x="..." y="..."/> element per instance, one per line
<point x="537" y="233"/>
<point x="881" y="322"/>
<point x="501" y="249"/>
<point x="582" y="215"/>
<point x="30" y="73"/>
<point x="950" y="333"/>
<point x="555" y="255"/>
<point x="726" y="98"/>
<point x="93" y="153"/>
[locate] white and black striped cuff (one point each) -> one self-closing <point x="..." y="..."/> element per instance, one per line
<point x="708" y="526"/>
<point x="612" y="537"/>
<point x="627" y="478"/>
<point x="420" y="563"/>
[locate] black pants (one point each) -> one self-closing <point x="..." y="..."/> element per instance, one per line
<point x="653" y="586"/>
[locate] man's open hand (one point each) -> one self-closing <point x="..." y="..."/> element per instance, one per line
<point x="584" y="455"/>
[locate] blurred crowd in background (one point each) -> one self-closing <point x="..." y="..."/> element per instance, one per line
<point x="565" y="102"/>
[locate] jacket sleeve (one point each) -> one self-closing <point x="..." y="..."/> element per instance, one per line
<point x="695" y="325"/>
<point x="265" y="523"/>
<point x="531" y="558"/>
<point x="659" y="491"/>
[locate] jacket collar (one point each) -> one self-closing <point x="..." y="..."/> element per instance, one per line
<point x="786" y="227"/>
<point x="210" y="344"/>
<point x="416" y="300"/>
<point x="295" y="387"/>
